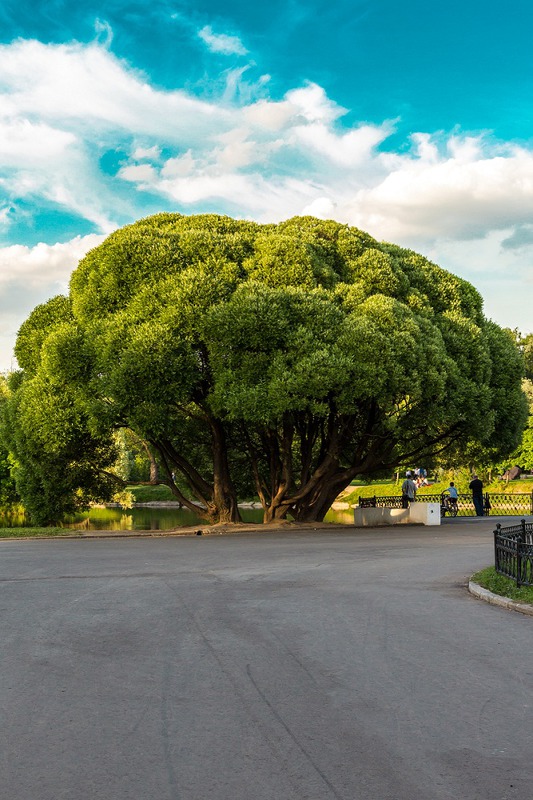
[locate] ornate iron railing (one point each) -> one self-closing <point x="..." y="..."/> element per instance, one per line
<point x="391" y="501"/>
<point x="506" y="504"/>
<point x="513" y="552"/>
<point x="509" y="504"/>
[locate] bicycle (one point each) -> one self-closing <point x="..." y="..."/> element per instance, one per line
<point x="448" y="505"/>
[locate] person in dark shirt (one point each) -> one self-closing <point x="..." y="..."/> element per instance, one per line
<point x="476" y="487"/>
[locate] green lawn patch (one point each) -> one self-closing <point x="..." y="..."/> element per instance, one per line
<point x="151" y="494"/>
<point x="512" y="487"/>
<point x="498" y="584"/>
<point x="11" y="533"/>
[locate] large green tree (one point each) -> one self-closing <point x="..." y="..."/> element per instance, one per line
<point x="295" y="356"/>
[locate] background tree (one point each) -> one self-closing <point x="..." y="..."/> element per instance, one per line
<point x="136" y="461"/>
<point x="523" y="455"/>
<point x="526" y="345"/>
<point x="299" y="355"/>
<point x="8" y="490"/>
<point x="59" y="464"/>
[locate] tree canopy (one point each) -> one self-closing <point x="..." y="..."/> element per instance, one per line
<point x="279" y="359"/>
<point x="526" y="345"/>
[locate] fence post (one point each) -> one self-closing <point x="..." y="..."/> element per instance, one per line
<point x="496" y="540"/>
<point x="520" y="539"/>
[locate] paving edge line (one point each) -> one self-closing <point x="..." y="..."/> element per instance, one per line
<point x="497" y="600"/>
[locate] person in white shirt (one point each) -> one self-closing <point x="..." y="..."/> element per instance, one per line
<point x="408" y="490"/>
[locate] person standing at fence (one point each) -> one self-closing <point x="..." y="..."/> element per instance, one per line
<point x="476" y="487"/>
<point x="408" y="490"/>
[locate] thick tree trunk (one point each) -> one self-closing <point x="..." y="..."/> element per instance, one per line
<point x="167" y="455"/>
<point x="274" y="513"/>
<point x="224" y="505"/>
<point x="154" y="469"/>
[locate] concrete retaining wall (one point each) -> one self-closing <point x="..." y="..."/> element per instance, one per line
<point x="416" y="514"/>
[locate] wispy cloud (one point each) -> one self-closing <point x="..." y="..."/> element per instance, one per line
<point x="104" y="32"/>
<point x="222" y="43"/>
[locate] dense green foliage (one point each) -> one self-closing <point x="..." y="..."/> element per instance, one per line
<point x="8" y="490"/>
<point x="58" y="462"/>
<point x="523" y="455"/>
<point x="526" y="345"/>
<point x="279" y="359"/>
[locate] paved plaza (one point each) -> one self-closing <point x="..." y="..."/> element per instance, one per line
<point x="311" y="665"/>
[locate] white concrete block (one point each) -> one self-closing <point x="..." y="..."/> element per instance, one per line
<point x="416" y="514"/>
<point x="372" y="517"/>
<point x="425" y="513"/>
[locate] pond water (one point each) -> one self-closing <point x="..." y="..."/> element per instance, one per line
<point x="151" y="518"/>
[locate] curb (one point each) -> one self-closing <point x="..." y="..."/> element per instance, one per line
<point x="497" y="600"/>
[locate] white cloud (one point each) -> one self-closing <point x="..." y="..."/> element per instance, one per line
<point x="222" y="42"/>
<point x="43" y="265"/>
<point x="179" y="167"/>
<point x="503" y="276"/>
<point x="463" y="194"/>
<point x="30" y="276"/>
<point x="85" y="85"/>
<point x="150" y="153"/>
<point x="314" y="105"/>
<point x="350" y="149"/>
<point x="26" y="144"/>
<point x="142" y="174"/>
<point x="321" y="207"/>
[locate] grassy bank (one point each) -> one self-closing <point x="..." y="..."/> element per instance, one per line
<point x="18" y="533"/>
<point x="505" y="587"/>
<point x="151" y="494"/>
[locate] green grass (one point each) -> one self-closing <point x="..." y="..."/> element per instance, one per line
<point x="9" y="533"/>
<point x="151" y="494"/>
<point x="512" y="487"/>
<point x="498" y="584"/>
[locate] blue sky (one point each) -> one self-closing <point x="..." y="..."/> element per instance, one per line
<point x="411" y="120"/>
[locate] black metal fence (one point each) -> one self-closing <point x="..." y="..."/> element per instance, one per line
<point x="499" y="503"/>
<point x="513" y="552"/>
<point x="509" y="504"/>
<point x="392" y="501"/>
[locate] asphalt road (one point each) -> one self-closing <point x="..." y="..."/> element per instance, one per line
<point x="295" y="666"/>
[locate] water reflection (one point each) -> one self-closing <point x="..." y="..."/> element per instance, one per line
<point x="153" y="518"/>
<point x="146" y="519"/>
<point x="13" y="519"/>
